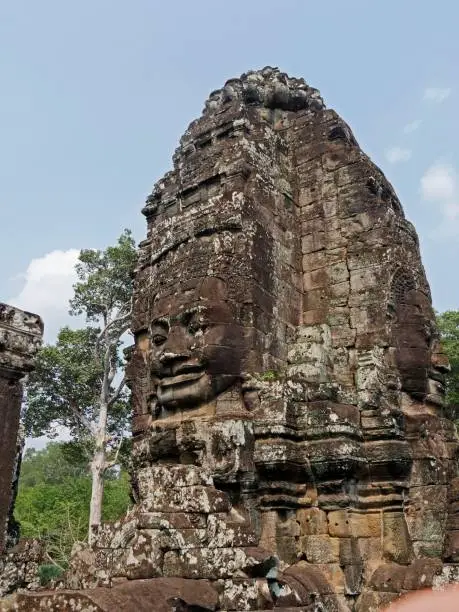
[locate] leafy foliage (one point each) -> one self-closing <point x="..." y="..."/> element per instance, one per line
<point x="79" y="381"/>
<point x="64" y="389"/>
<point x="51" y="466"/>
<point x="269" y="376"/>
<point x="48" y="572"/>
<point x="448" y="323"/>
<point x="64" y="384"/>
<point x="104" y="280"/>
<point x="53" y="498"/>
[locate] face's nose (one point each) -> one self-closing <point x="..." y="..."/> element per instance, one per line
<point x="176" y="346"/>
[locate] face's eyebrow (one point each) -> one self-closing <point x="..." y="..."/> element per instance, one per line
<point x="186" y="315"/>
<point x="160" y="322"/>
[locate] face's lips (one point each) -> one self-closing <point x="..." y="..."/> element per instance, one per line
<point x="182" y="378"/>
<point x="185" y="368"/>
<point x="436" y="374"/>
<point x="440" y="386"/>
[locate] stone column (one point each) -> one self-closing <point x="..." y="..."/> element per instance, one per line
<point x="20" y="338"/>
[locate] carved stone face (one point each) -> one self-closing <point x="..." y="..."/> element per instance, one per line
<point x="196" y="346"/>
<point x="439" y="367"/>
<point x="413" y="339"/>
<point x="420" y="358"/>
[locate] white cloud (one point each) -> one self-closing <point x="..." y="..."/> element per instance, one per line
<point x="397" y="154"/>
<point x="440" y="186"/>
<point x="452" y="210"/>
<point x="47" y="289"/>
<point x="436" y="94"/>
<point x="439" y="182"/>
<point x="413" y="126"/>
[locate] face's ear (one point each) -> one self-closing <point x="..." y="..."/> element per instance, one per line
<point x="142" y="340"/>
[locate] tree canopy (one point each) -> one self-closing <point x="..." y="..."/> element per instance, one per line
<point x="64" y="389"/>
<point x="448" y="323"/>
<point x="53" y="497"/>
<point x="79" y="381"/>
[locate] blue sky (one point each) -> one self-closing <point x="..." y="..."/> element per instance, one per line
<point x="96" y="93"/>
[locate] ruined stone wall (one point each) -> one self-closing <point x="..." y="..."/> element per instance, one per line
<point x="20" y="337"/>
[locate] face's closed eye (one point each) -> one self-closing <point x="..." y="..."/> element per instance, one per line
<point x="159" y="332"/>
<point x="159" y="339"/>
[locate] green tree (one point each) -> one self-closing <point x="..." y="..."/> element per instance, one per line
<point x="448" y="323"/>
<point x="79" y="382"/>
<point x="52" y="465"/>
<point x="53" y="498"/>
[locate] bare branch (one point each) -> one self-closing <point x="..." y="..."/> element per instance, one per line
<point x="114" y="461"/>
<point x="111" y="375"/>
<point x="122" y="317"/>
<point x="106" y="376"/>
<point x="81" y="418"/>
<point x="70" y="524"/>
<point x="48" y="556"/>
<point x="117" y="392"/>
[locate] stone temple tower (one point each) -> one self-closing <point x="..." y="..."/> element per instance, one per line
<point x="290" y="445"/>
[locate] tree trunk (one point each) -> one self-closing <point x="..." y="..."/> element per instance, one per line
<point x="98" y="469"/>
<point x="98" y="463"/>
<point x="97" y="492"/>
